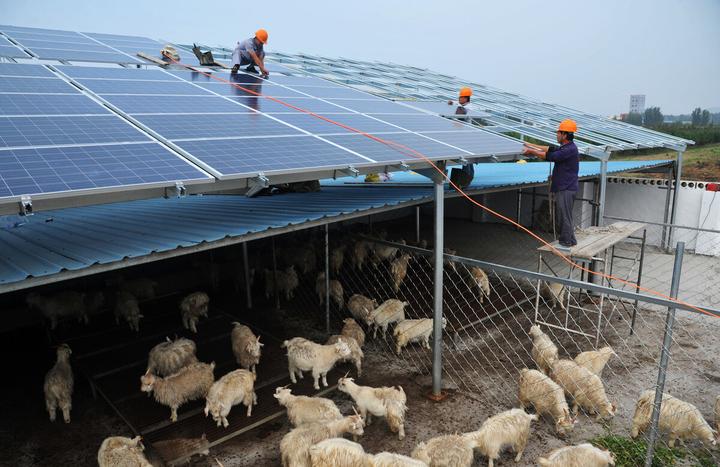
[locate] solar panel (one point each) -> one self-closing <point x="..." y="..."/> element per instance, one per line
<point x="81" y="44"/>
<point x="197" y="77"/>
<point x="115" y="73"/>
<point x="423" y="122"/>
<point x="248" y="156"/>
<point x="373" y="106"/>
<point x="83" y="56"/>
<point x="478" y="142"/>
<point x="172" y="104"/>
<point x="402" y="150"/>
<point x="48" y="104"/>
<point x="301" y="81"/>
<point x="38" y="131"/>
<point x="23" y="29"/>
<point x="12" y="52"/>
<point x="21" y="69"/>
<point x="250" y="90"/>
<point x="209" y="126"/>
<point x="319" y="126"/>
<point x="49" y="170"/>
<point x="35" y="85"/>
<point x="141" y="87"/>
<point x="338" y="92"/>
<point x="269" y="106"/>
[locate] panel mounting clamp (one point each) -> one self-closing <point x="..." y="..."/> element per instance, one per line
<point x="179" y="190"/>
<point x="349" y="170"/>
<point x="26" y="207"/>
<point x="257" y="184"/>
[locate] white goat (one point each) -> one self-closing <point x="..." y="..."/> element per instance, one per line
<point x="414" y="330"/>
<point x="595" y="360"/>
<point x="245" y="346"/>
<point x="295" y="446"/>
<point x="356" y="354"/>
<point x="360" y="307"/>
<point x="352" y="329"/>
<point x="680" y="419"/>
<point x="305" y="355"/>
<point x="391" y="311"/>
<point x="287" y="282"/>
<point x="169" y="357"/>
<point x="117" y="451"/>
<point x="480" y="278"/>
<point x="59" y="384"/>
<point x="582" y="455"/>
<point x="304" y="409"/>
<point x="398" y="270"/>
<point x="360" y="254"/>
<point x="68" y="304"/>
<point x="337" y="257"/>
<point x="556" y="294"/>
<point x="382" y="252"/>
<point x="381" y="402"/>
<point x="339" y="452"/>
<point x="232" y="389"/>
<point x="544" y="351"/>
<point x="190" y="383"/>
<point x="584" y="387"/>
<point x="390" y="459"/>
<point x="547" y="397"/>
<point x="127" y="307"/>
<point x="336" y="291"/>
<point x="192" y="307"/>
<point x="506" y="429"/>
<point x="446" y="450"/>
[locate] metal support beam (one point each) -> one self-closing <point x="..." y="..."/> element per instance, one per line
<point x="438" y="290"/>
<point x="276" y="293"/>
<point x="676" y="193"/>
<point x="518" y="209"/>
<point x="665" y="353"/>
<point x="417" y="224"/>
<point x="663" y="239"/>
<point x="603" y="190"/>
<point x="327" y="280"/>
<point x="246" y="267"/>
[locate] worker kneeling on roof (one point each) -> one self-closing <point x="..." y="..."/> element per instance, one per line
<point x="250" y="52"/>
<point x="564" y="176"/>
<point x="463" y="177"/>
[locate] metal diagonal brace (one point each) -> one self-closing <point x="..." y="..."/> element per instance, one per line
<point x="349" y="170"/>
<point x="255" y="185"/>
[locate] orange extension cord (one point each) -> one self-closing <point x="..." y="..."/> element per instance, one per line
<point x="417" y="155"/>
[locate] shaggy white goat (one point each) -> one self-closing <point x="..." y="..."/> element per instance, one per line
<point x="305" y="355"/>
<point x="245" y="346"/>
<point x="381" y="402"/>
<point x="59" y="384"/>
<point x="190" y="383"/>
<point x="304" y="409"/>
<point x="232" y="389"/>
<point x="544" y="351"/>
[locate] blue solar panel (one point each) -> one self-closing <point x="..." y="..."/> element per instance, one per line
<point x="48" y="104"/>
<point x="115" y="73"/>
<point x="374" y="106"/>
<point x="82" y="56"/>
<point x="263" y="104"/>
<point x="319" y="126"/>
<point x="215" y="126"/>
<point x="197" y="77"/>
<point x="249" y="90"/>
<point x="21" y="69"/>
<point x="172" y="104"/>
<point x="141" y="87"/>
<point x="12" y="52"/>
<point x="82" y="44"/>
<point x="478" y="142"/>
<point x="22" y="29"/>
<point x="115" y="37"/>
<point x="405" y="148"/>
<point x="301" y="81"/>
<point x="338" y="93"/>
<point x="35" y="85"/>
<point x="48" y="170"/>
<point x="423" y="122"/>
<point x="37" y="131"/>
<point x="236" y="157"/>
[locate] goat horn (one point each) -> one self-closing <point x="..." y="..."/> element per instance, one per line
<point x="355" y="410"/>
<point x="346" y="374"/>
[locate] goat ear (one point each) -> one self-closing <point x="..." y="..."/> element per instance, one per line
<point x="207" y="409"/>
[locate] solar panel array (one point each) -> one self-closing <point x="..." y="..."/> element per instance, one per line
<point x="55" y="139"/>
<point x="231" y="125"/>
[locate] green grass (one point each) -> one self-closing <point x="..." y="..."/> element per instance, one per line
<point x="631" y="453"/>
<point x="699" y="162"/>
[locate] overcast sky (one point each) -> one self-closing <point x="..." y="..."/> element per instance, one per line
<point x="587" y="55"/>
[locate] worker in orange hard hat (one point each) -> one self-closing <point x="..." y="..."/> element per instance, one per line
<point x="464" y="176"/>
<point x="250" y="52"/>
<point x="463" y="100"/>
<point x="564" y="178"/>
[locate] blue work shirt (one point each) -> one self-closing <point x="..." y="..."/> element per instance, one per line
<point x="567" y="165"/>
<point x="242" y="50"/>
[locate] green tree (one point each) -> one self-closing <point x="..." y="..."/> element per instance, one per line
<point x="653" y="116"/>
<point x="705" y="118"/>
<point x="634" y="118"/>
<point x="696" y="116"/>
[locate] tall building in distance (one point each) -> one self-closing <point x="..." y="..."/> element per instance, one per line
<point x="637" y="103"/>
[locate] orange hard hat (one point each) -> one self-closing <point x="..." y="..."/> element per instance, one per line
<point x="568" y="126"/>
<point x="465" y="92"/>
<point x="261" y="35"/>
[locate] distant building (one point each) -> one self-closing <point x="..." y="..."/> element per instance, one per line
<point x="637" y="103"/>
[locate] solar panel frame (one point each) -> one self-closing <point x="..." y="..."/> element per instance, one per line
<point x="49" y="104"/>
<point x="25" y="69"/>
<point x="35" y="85"/>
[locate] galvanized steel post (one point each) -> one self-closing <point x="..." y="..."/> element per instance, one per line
<point x="676" y="194"/>
<point x="327" y="280"/>
<point x="603" y="190"/>
<point x="246" y="267"/>
<point x="665" y="353"/>
<point x="438" y="289"/>
<point x="417" y="225"/>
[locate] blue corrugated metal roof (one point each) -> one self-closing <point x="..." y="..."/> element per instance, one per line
<point x="77" y="238"/>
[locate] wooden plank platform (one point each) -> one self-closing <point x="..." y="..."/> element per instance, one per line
<point x="595" y="240"/>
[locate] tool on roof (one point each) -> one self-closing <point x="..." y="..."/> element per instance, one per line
<point x="170" y="52"/>
<point x="206" y="58"/>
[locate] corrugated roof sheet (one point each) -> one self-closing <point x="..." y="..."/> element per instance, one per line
<point x="78" y="238"/>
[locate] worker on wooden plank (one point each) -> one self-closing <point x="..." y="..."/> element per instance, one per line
<point x="464" y="176"/>
<point x="250" y="52"/>
<point x="564" y="178"/>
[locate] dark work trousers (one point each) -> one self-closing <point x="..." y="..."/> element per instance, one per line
<point x="564" y="201"/>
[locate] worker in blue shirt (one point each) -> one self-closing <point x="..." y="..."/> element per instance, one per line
<point x="250" y="52"/>
<point x="564" y="178"/>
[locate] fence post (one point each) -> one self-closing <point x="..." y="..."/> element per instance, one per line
<point x="327" y="280"/>
<point x="438" y="290"/>
<point x="665" y="353"/>
<point x="246" y="269"/>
